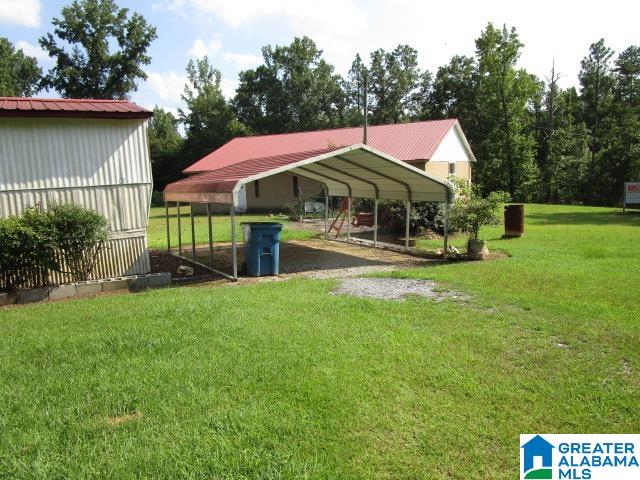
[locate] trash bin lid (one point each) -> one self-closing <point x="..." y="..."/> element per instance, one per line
<point x="262" y="224"/>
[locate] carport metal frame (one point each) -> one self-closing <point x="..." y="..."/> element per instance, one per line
<point x="311" y="174"/>
<point x="234" y="243"/>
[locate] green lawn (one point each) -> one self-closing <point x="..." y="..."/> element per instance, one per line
<point x="157" y="229"/>
<point x="283" y="380"/>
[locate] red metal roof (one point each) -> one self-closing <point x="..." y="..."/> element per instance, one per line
<point x="357" y="170"/>
<point x="404" y="141"/>
<point x="225" y="179"/>
<point x="69" y="107"/>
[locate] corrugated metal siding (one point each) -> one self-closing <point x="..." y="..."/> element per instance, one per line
<point x="63" y="153"/>
<point x="124" y="206"/>
<point x="119" y="256"/>
<point x="99" y="164"/>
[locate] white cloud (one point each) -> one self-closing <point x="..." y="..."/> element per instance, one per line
<point x="438" y="30"/>
<point x="33" y="51"/>
<point x="242" y="61"/>
<point x="168" y="86"/>
<point x="336" y="25"/>
<point x="24" y="13"/>
<point x="229" y="87"/>
<point x="199" y="48"/>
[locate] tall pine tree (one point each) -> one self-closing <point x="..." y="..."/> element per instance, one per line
<point x="506" y="154"/>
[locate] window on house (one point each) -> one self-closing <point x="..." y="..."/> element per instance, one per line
<point x="452" y="168"/>
<point x="296" y="189"/>
<point x="256" y="188"/>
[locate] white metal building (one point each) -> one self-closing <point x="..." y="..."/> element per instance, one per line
<point x="94" y="153"/>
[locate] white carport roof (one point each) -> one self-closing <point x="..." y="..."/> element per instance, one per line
<point x="358" y="171"/>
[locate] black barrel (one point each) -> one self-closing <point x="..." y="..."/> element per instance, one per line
<point x="513" y="220"/>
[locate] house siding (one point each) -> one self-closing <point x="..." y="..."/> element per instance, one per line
<point x="440" y="170"/>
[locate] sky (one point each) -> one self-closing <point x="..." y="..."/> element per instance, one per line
<point x="232" y="32"/>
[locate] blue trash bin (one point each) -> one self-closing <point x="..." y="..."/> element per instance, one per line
<point x="261" y="248"/>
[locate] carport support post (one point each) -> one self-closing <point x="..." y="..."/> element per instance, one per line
<point x="326" y="215"/>
<point x="446" y="230"/>
<point x="179" y="229"/>
<point x="349" y="219"/>
<point x="193" y="233"/>
<point x="406" y="226"/>
<point x="234" y="243"/>
<point x="166" y="216"/>
<point x="210" y="235"/>
<point x="375" y="222"/>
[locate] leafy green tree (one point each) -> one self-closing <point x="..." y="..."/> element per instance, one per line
<point x="506" y="154"/>
<point x="354" y="93"/>
<point x="295" y="90"/>
<point x="89" y="69"/>
<point x="596" y="91"/>
<point x="568" y="151"/>
<point x="454" y="94"/>
<point x="208" y="119"/>
<point x="394" y="78"/>
<point x="420" y="107"/>
<point x="165" y="145"/>
<point x="19" y="74"/>
<point x="619" y="160"/>
<point x="544" y="109"/>
<point x="454" y="91"/>
<point x="627" y="69"/>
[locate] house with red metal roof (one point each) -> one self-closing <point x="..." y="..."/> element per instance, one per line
<point x="94" y="153"/>
<point x="438" y="147"/>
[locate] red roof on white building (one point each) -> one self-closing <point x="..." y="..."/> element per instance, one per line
<point x="403" y="141"/>
<point x="70" y="107"/>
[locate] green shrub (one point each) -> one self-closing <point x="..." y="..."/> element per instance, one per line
<point x="27" y="251"/>
<point x="64" y="238"/>
<point x="79" y="235"/>
<point x="471" y="211"/>
<point x="392" y="215"/>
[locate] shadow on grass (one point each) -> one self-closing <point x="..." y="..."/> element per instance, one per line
<point x="296" y="258"/>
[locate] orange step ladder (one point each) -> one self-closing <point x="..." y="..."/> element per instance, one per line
<point x="342" y="215"/>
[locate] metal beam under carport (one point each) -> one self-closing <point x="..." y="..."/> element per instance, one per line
<point x="355" y="171"/>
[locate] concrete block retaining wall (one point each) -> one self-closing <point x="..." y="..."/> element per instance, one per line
<point x="133" y="283"/>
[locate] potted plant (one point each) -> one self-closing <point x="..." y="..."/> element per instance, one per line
<point x="471" y="211"/>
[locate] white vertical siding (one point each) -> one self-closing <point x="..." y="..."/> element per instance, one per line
<point x="97" y="163"/>
<point x="451" y="149"/>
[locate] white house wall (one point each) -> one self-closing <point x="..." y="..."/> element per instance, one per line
<point x="97" y="163"/>
<point x="451" y="149"/>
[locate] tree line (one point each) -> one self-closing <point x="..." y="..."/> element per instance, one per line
<point x="531" y="138"/>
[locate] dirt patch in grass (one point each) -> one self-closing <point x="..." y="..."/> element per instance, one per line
<point x="126" y="418"/>
<point x="162" y="261"/>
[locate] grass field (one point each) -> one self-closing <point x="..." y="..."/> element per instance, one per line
<point x="157" y="229"/>
<point x="283" y="380"/>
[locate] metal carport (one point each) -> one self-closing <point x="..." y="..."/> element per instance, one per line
<point x="354" y="171"/>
